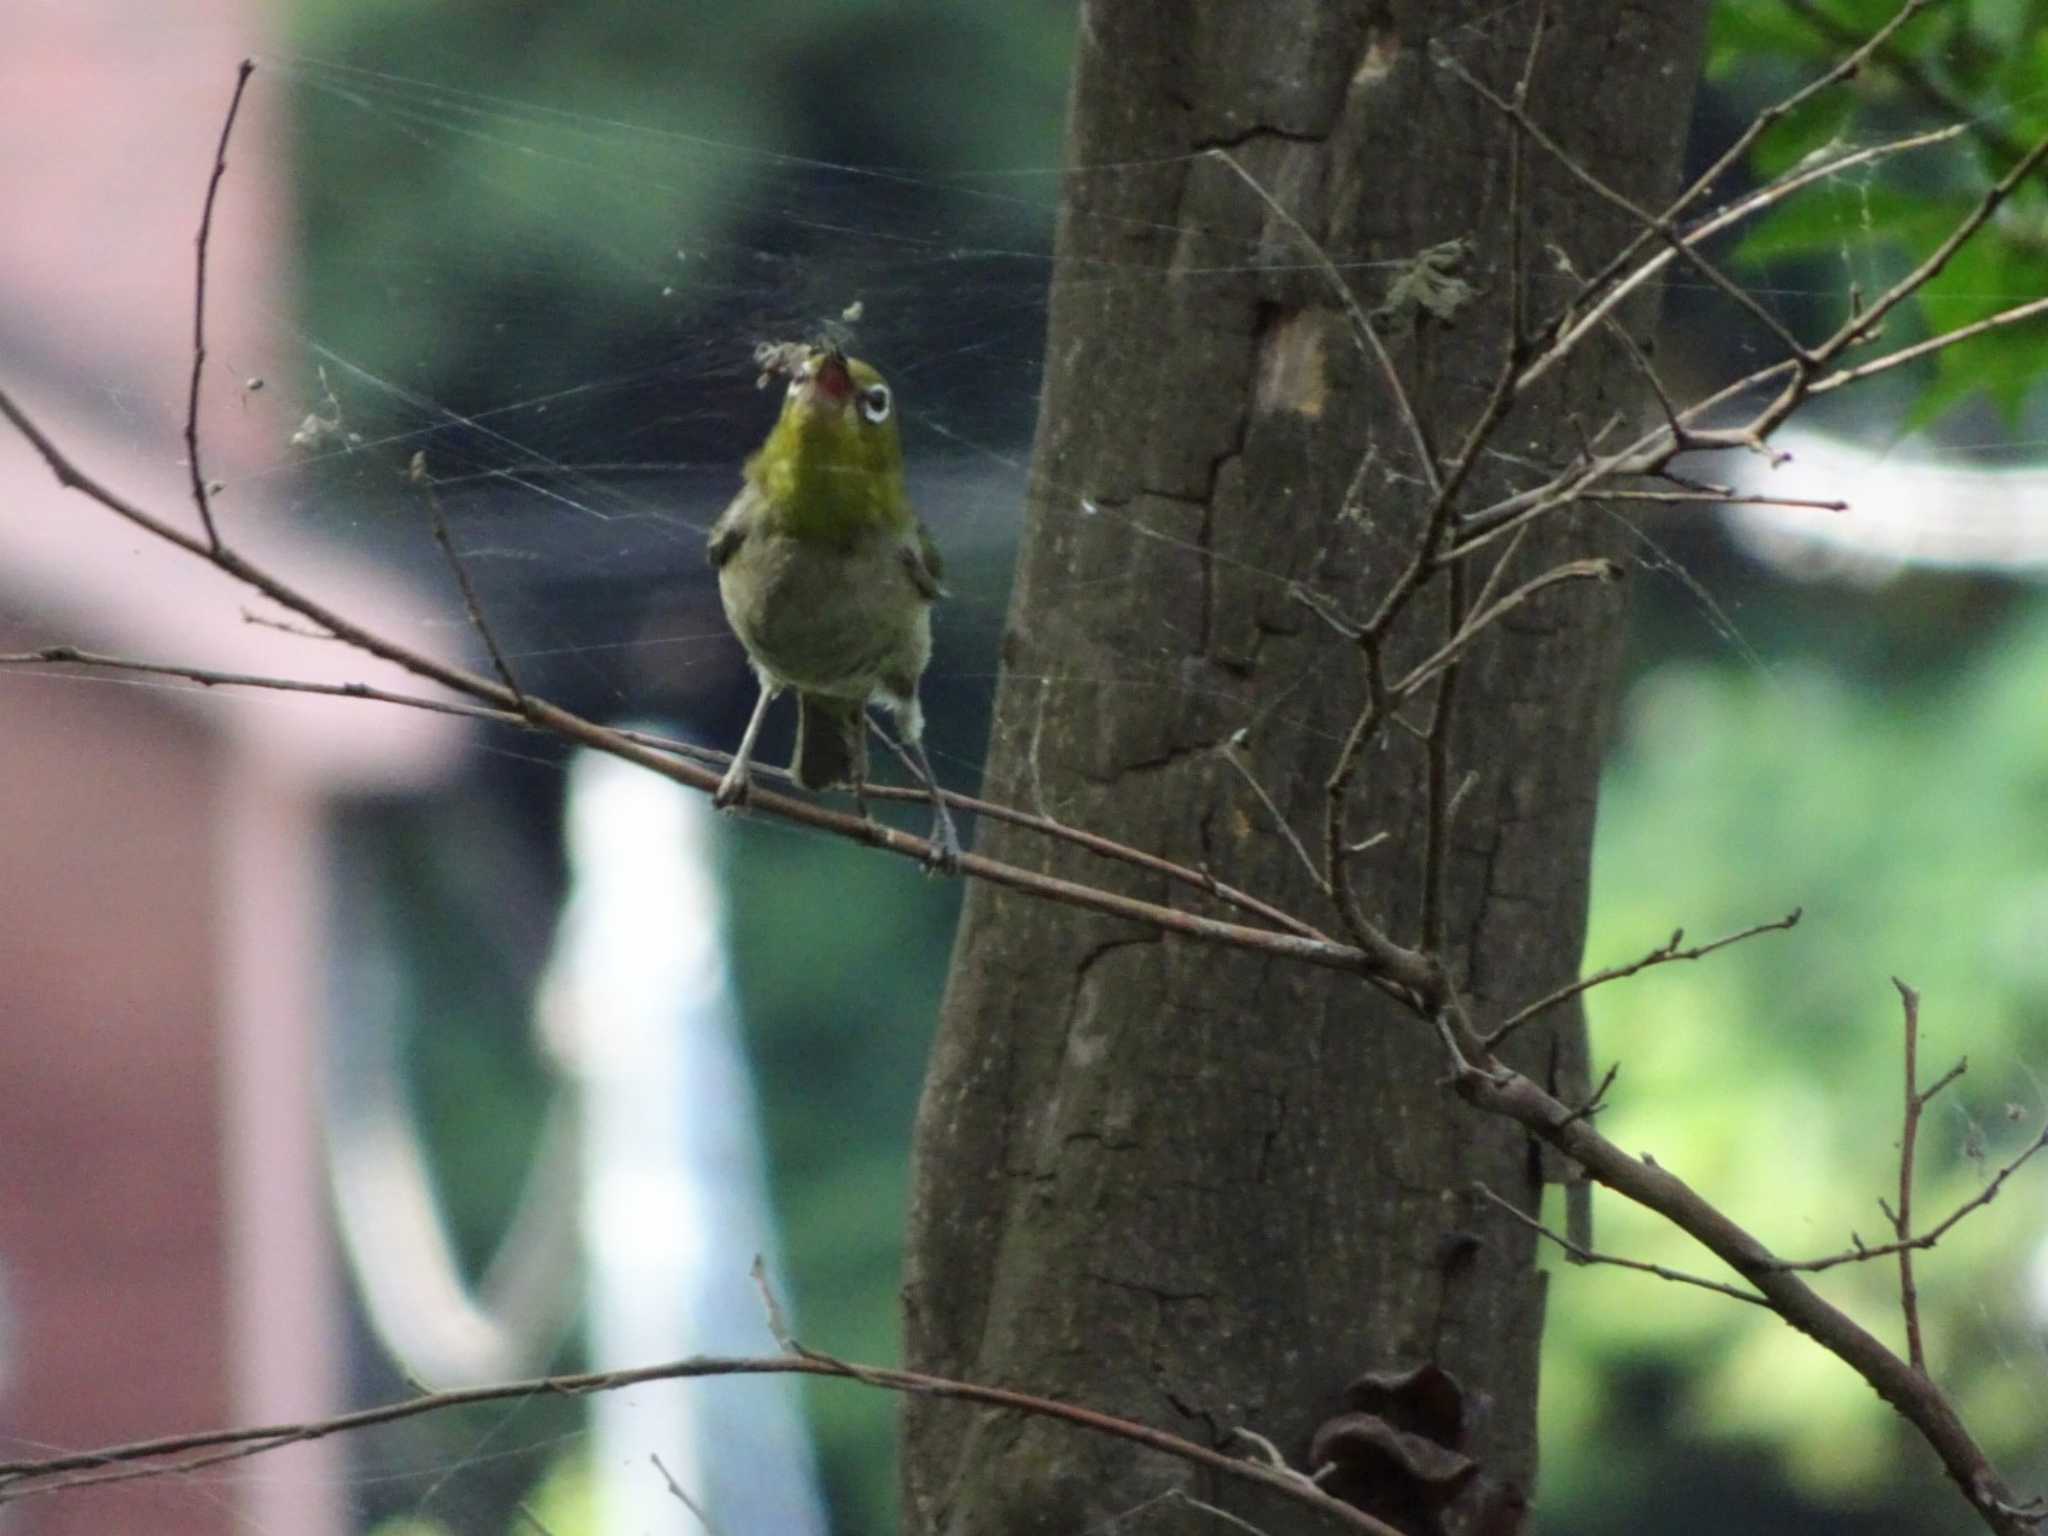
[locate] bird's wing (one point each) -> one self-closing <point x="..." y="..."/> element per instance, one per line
<point x="927" y="570"/>
<point x="730" y="531"/>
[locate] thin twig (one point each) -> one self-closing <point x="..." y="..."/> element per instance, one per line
<point x="1517" y="217"/>
<point x="1909" y="1135"/>
<point x="1725" y="499"/>
<point x="1906" y="69"/>
<point x="1604" y="291"/>
<point x="1933" y="344"/>
<point x="1337" y="848"/>
<point x="1235" y="1522"/>
<point x="1599" y="569"/>
<point x="771" y="1307"/>
<point x="1934" y="1234"/>
<point x="1936" y="260"/>
<point x="1315" y="874"/>
<point x="682" y="1498"/>
<point x="1664" y="954"/>
<point x="1580" y="1254"/>
<point x="202" y="495"/>
<point x="1616" y="292"/>
<point x="418" y="475"/>
<point x="1661" y="226"/>
<point x="207" y="677"/>
<point x="1597" y="1099"/>
<point x="1498" y="1089"/>
<point x="1103" y="847"/>
<point x="159" y="1457"/>
<point x="1361" y="323"/>
<point x="1649" y="376"/>
<point x="257" y="620"/>
<point x="1436" y="832"/>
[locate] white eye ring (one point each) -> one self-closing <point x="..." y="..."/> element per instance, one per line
<point x="874" y="403"/>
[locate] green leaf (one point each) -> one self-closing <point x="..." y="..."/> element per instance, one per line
<point x="1821" y="122"/>
<point x="1841" y="214"/>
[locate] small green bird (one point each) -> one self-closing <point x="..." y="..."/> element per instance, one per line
<point x="828" y="578"/>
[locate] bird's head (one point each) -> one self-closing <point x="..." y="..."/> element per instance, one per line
<point x="835" y="445"/>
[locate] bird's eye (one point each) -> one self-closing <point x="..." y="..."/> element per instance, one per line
<point x="874" y="403"/>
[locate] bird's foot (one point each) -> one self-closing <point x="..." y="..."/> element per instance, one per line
<point x="732" y="789"/>
<point x="943" y="858"/>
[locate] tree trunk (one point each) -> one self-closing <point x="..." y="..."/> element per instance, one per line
<point x="1187" y="1184"/>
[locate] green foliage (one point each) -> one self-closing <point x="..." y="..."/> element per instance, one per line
<point x="1978" y="62"/>
<point x="1906" y="820"/>
<point x="506" y="197"/>
<point x="564" y="1503"/>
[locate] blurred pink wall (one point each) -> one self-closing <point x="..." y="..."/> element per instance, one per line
<point x="165" y="1259"/>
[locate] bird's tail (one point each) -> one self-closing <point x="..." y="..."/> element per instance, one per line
<point x="831" y="741"/>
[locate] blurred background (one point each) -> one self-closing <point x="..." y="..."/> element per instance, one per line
<point x="355" y="1050"/>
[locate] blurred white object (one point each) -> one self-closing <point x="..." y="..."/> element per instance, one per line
<point x="647" y="1183"/>
<point x="1906" y="508"/>
<point x="675" y="1205"/>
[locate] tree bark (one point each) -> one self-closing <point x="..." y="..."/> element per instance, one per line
<point x="1193" y="1186"/>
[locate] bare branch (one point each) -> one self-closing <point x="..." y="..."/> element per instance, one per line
<point x="1230" y="755"/>
<point x="57" y="656"/>
<point x="1438" y="789"/>
<point x="159" y="1457"/>
<point x="1906" y="69"/>
<point x="417" y="473"/>
<point x="1658" y="225"/>
<point x="1361" y="323"/>
<point x="1934" y="1234"/>
<point x="1909" y="1135"/>
<point x="1448" y="654"/>
<point x="1931" y="266"/>
<point x="1722" y="498"/>
<point x="207" y="677"/>
<point x="1337" y="848"/>
<point x="1602" y="287"/>
<point x="1764" y="198"/>
<point x="1664" y="954"/>
<point x="683" y="1498"/>
<point x="1933" y="344"/>
<point x="202" y="494"/>
<point x="1500" y="1090"/>
<point x="1580" y="1254"/>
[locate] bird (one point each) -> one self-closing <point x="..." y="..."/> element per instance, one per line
<point x="828" y="578"/>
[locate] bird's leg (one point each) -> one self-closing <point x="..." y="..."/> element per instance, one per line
<point x="858" y="780"/>
<point x="945" y="859"/>
<point x="945" y="855"/>
<point x="732" y="789"/>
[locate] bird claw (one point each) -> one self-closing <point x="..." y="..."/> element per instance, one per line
<point x="942" y="857"/>
<point x="732" y="790"/>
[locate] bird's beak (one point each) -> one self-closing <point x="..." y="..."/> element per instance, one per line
<point x="831" y="379"/>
